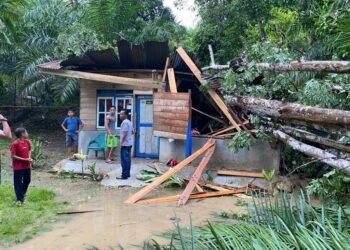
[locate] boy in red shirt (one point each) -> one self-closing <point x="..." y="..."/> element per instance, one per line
<point x="21" y="164"/>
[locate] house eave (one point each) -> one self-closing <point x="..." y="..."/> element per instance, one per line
<point x="145" y="83"/>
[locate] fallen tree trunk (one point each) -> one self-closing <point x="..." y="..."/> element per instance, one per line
<point x="293" y="111"/>
<point x="302" y="134"/>
<point x="340" y="67"/>
<point x="317" y="153"/>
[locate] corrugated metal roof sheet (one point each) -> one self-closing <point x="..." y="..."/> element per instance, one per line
<point x="150" y="55"/>
<point x="179" y="65"/>
<point x="51" y="65"/>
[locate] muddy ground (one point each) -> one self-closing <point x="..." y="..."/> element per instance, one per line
<point x="117" y="224"/>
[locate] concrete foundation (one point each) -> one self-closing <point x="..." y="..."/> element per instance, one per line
<point x="260" y="156"/>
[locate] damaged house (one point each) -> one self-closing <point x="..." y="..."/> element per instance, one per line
<point x="162" y="93"/>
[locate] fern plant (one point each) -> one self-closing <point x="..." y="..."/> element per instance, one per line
<point x="36" y="152"/>
<point x="283" y="223"/>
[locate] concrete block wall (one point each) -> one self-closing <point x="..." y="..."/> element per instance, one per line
<point x="260" y="156"/>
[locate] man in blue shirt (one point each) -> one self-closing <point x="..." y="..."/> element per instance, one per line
<point x="126" y="141"/>
<point x="72" y="126"/>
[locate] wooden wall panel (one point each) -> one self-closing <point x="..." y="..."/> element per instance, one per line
<point x="171" y="113"/>
<point x="88" y="103"/>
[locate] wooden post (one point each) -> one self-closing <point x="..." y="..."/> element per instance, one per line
<point x="144" y="191"/>
<point x="167" y="62"/>
<point x="194" y="196"/>
<point x="211" y="92"/>
<point x="195" y="177"/>
<point x="172" y="82"/>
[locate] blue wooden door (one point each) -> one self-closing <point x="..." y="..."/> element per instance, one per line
<point x="147" y="145"/>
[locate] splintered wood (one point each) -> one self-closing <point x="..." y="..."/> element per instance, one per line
<point x="240" y="173"/>
<point x="195" y="177"/>
<point x="194" y="182"/>
<point x="216" y="98"/>
<point x="172" y="82"/>
<point x="193" y="196"/>
<point x="146" y="190"/>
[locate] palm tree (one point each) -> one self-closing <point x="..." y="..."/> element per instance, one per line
<point x="10" y="12"/>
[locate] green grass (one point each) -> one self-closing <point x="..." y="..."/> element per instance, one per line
<point x="5" y="144"/>
<point x="20" y="223"/>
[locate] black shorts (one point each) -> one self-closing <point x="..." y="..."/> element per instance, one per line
<point x="71" y="141"/>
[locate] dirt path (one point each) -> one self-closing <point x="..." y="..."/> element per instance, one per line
<point x="120" y="224"/>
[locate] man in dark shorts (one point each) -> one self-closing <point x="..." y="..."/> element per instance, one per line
<point x="72" y="125"/>
<point x="111" y="139"/>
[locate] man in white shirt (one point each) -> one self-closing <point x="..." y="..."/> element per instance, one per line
<point x="126" y="141"/>
<point x="6" y="132"/>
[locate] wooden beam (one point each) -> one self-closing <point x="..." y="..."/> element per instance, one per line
<point x="172" y="82"/>
<point x="167" y="63"/>
<point x="240" y="173"/>
<point x="215" y="187"/>
<point x="193" y="196"/>
<point x="144" y="191"/>
<point x="199" y="188"/>
<point x="221" y="131"/>
<point x="196" y="175"/>
<point x="231" y="134"/>
<point x="105" y="78"/>
<point x="207" y="115"/>
<point x="169" y="135"/>
<point x="217" y="99"/>
<point x="192" y="66"/>
<point x="182" y="53"/>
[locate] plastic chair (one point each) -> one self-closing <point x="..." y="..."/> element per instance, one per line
<point x="97" y="145"/>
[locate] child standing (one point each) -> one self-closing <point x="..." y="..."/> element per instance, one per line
<point x="21" y="164"/>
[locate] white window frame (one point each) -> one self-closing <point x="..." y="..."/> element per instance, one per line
<point x="98" y="112"/>
<point x="131" y="101"/>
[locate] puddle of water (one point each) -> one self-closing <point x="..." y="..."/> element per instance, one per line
<point x="126" y="225"/>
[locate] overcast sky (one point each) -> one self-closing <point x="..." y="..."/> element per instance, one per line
<point x="186" y="16"/>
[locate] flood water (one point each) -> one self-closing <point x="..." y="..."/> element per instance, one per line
<point x="120" y="224"/>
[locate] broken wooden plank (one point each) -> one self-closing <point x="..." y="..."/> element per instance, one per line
<point x="199" y="188"/>
<point x="144" y="191"/>
<point x="105" y="78"/>
<point x="192" y="196"/>
<point x="215" y="187"/>
<point x="221" y="131"/>
<point x="196" y="175"/>
<point x="240" y="173"/>
<point x="167" y="63"/>
<point x="232" y="134"/>
<point x="207" y="115"/>
<point x="192" y="66"/>
<point x="217" y="99"/>
<point x="79" y="212"/>
<point x="172" y="82"/>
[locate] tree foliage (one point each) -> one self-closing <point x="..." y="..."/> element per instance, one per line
<point x="37" y="31"/>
